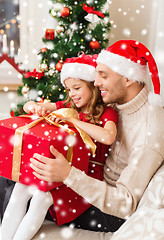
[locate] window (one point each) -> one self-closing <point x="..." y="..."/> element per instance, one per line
<point x="9" y="23"/>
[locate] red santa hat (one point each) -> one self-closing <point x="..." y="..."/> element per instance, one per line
<point x="81" y="67"/>
<point x="129" y="58"/>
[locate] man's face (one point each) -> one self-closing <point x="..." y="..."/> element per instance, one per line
<point x="111" y="85"/>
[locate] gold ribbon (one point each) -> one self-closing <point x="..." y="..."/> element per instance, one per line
<point x="72" y="113"/>
<point x="63" y="112"/>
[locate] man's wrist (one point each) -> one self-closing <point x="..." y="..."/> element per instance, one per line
<point x="67" y="172"/>
<point x="68" y="175"/>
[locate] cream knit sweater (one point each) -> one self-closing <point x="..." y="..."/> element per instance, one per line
<point x="135" y="156"/>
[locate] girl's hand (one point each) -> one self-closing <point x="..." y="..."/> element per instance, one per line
<point x="60" y="119"/>
<point x="40" y="111"/>
<point x="34" y="108"/>
<point x="30" y="107"/>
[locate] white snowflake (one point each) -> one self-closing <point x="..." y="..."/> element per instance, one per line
<point x="66" y="232"/>
<point x="29" y="146"/>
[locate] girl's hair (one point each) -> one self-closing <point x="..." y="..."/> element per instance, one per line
<point x="96" y="105"/>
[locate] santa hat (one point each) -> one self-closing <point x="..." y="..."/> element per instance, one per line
<point x="129" y="59"/>
<point x="82" y="67"/>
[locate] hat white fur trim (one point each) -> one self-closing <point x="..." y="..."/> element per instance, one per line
<point x="155" y="99"/>
<point x="123" y="66"/>
<point x="78" y="70"/>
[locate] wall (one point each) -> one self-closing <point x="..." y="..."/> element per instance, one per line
<point x="141" y="20"/>
<point x="157" y="38"/>
<point x="7" y="100"/>
<point x="34" y="18"/>
<point x="130" y="20"/>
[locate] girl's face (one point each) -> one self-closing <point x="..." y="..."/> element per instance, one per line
<point x="79" y="92"/>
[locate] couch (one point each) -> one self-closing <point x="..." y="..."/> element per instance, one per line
<point x="147" y="223"/>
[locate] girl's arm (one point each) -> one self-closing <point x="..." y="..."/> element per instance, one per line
<point x="40" y="109"/>
<point x="105" y="135"/>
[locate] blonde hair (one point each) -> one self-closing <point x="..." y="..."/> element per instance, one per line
<point x="96" y="105"/>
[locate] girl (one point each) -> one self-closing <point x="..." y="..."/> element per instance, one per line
<point x="97" y="120"/>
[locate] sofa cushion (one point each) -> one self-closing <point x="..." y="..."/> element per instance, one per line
<point x="50" y="231"/>
<point x="147" y="223"/>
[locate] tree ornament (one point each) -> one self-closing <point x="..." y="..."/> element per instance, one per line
<point x="51" y="72"/>
<point x="25" y="89"/>
<point x="54" y="12"/>
<point x="49" y="34"/>
<point x="12" y="113"/>
<point x="94" y="44"/>
<point x="43" y="50"/>
<point x="73" y="27"/>
<point x="43" y="67"/>
<point x="65" y="12"/>
<point x="59" y="65"/>
<point x="47" y="100"/>
<point x="59" y="29"/>
<point x="92" y="18"/>
<point x="91" y="10"/>
<point x="41" y="100"/>
<point x="34" y="74"/>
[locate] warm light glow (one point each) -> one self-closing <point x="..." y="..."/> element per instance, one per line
<point x="12" y="43"/>
<point x="2" y="31"/>
<point x="7" y="26"/>
<point x="4" y="36"/>
<point x="13" y="21"/>
<point x="12" y="50"/>
<point x="5" y="49"/>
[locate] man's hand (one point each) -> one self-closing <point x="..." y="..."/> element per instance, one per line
<point x="50" y="169"/>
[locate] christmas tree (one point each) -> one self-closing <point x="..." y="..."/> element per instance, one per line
<point x="83" y="27"/>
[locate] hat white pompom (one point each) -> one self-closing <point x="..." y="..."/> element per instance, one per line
<point x="155" y="99"/>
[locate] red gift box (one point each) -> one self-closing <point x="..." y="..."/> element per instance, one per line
<point x="37" y="139"/>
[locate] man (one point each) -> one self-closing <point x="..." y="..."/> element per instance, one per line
<point x="139" y="149"/>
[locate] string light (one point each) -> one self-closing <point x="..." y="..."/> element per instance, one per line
<point x="2" y="31"/>
<point x="7" y="26"/>
<point x="13" y="21"/>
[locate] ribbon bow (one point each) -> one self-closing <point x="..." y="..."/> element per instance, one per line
<point x="34" y="74"/>
<point x="69" y="112"/>
<point x="91" y="10"/>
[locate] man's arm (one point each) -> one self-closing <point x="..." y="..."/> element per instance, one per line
<point x="120" y="201"/>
